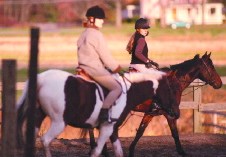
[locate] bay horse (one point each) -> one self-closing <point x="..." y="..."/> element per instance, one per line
<point x="185" y="73"/>
<point x="72" y="100"/>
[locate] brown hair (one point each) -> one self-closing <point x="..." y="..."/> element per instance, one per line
<point x="89" y="22"/>
<point x="130" y="44"/>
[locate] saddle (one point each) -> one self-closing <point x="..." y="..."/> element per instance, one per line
<point x="83" y="74"/>
<point x="132" y="69"/>
<point x="153" y="109"/>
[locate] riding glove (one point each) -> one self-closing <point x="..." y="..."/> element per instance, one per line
<point x="150" y="63"/>
<point x="121" y="72"/>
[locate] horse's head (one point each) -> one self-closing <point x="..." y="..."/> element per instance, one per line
<point x="208" y="72"/>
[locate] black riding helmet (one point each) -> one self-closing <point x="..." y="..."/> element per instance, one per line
<point x="142" y="23"/>
<point x="95" y="12"/>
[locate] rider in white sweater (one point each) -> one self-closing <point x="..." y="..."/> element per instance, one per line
<point x="94" y="56"/>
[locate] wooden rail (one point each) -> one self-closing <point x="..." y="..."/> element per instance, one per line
<point x="201" y="106"/>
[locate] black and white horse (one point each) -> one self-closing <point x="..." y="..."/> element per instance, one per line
<point x="72" y="100"/>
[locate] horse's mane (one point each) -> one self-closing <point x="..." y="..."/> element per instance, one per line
<point x="186" y="65"/>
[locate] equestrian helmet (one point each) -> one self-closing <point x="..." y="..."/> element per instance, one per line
<point x="142" y="23"/>
<point x="95" y="12"/>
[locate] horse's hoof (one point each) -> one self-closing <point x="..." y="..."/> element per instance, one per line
<point x="131" y="155"/>
<point x="182" y="153"/>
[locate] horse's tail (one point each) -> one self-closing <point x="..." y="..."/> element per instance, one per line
<point x="21" y="107"/>
<point x="84" y="133"/>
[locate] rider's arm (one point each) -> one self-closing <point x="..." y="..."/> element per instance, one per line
<point x="139" y="49"/>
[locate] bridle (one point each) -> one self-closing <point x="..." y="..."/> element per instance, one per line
<point x="207" y="69"/>
<point x="204" y="83"/>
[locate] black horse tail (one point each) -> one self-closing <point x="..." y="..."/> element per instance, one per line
<point x="22" y="108"/>
<point x="83" y="134"/>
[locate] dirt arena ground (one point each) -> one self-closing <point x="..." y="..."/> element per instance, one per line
<point x="195" y="145"/>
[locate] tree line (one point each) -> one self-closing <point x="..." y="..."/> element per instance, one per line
<point x="60" y="11"/>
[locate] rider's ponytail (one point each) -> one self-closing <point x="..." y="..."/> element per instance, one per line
<point x="130" y="44"/>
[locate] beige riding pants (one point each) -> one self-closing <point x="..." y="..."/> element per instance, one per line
<point x="112" y="85"/>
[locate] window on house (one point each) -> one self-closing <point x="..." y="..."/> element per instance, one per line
<point x="212" y="11"/>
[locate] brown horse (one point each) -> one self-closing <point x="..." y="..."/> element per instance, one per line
<point x="186" y="72"/>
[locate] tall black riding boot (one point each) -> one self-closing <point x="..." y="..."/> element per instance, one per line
<point x="103" y="116"/>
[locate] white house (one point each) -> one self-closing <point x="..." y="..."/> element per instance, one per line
<point x="209" y="13"/>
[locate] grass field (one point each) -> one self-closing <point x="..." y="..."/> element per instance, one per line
<point x="166" y="46"/>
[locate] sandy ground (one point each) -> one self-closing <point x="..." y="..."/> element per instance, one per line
<point x="195" y="145"/>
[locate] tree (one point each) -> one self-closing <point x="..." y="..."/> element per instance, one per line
<point x="163" y="4"/>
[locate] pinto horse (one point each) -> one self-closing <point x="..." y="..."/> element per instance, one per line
<point x="72" y="100"/>
<point x="185" y="73"/>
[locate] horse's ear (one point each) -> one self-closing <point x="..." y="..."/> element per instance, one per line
<point x="206" y="55"/>
<point x="209" y="55"/>
<point x="196" y="56"/>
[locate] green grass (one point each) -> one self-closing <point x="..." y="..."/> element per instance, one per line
<point x="221" y="70"/>
<point x="213" y="31"/>
<point x="22" y="74"/>
<point x="126" y="29"/>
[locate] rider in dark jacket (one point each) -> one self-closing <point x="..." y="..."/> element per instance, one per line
<point x="137" y="47"/>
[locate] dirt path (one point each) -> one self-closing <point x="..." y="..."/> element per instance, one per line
<point x="195" y="145"/>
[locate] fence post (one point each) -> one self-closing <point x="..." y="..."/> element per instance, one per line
<point x="8" y="108"/>
<point x="31" y="99"/>
<point x="197" y="97"/>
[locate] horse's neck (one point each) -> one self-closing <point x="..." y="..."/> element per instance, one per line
<point x="188" y="77"/>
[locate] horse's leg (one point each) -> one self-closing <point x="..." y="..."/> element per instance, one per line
<point x="92" y="139"/>
<point x="144" y="123"/>
<point x="56" y="127"/>
<point x="116" y="144"/>
<point x="39" y="117"/>
<point x="174" y="131"/>
<point x="105" y="151"/>
<point x="93" y="143"/>
<point x="106" y="130"/>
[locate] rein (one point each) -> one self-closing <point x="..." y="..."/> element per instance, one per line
<point x="198" y="86"/>
<point x="128" y="117"/>
<point x="124" y="80"/>
<point x="208" y="72"/>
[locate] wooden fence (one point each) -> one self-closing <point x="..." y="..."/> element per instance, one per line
<point x="196" y="104"/>
<point x="199" y="107"/>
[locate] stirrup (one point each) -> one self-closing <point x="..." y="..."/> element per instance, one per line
<point x="111" y="120"/>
